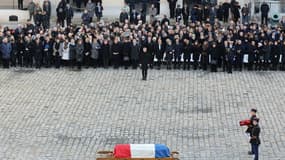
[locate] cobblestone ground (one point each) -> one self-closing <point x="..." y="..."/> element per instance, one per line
<point x="67" y="115"/>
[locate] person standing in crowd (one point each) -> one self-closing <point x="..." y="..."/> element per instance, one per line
<point x="266" y="49"/>
<point x="196" y="54"/>
<point x="57" y="53"/>
<point x="85" y="18"/>
<point x="213" y="15"/>
<point x="135" y="51"/>
<point x="235" y="11"/>
<point x="99" y="11"/>
<point x="79" y="53"/>
<point x="275" y="55"/>
<point x="5" y="50"/>
<point x="87" y="52"/>
<point x="226" y="9"/>
<point x="38" y="18"/>
<point x="214" y="57"/>
<point x="106" y="52"/>
<point x="123" y="16"/>
<point x="152" y="13"/>
<point x="220" y="12"/>
<point x="178" y="13"/>
<point x="187" y="50"/>
<point x="20" y="4"/>
<point x="116" y="53"/>
<point x="239" y="55"/>
<point x="264" y="13"/>
<point x="172" y="5"/>
<point x="177" y="53"/>
<point x="47" y="52"/>
<point x="205" y="55"/>
<point x="95" y="47"/>
<point x="169" y="50"/>
<point x="186" y="12"/>
<point x="90" y="7"/>
<point x="65" y="50"/>
<point x="282" y="67"/>
<point x="21" y="50"/>
<point x="31" y="9"/>
<point x="144" y="61"/>
<point x="126" y="47"/>
<point x="28" y="55"/>
<point x="230" y="53"/>
<point x="69" y="14"/>
<point x="37" y="53"/>
<point x="72" y="53"/>
<point x="61" y="12"/>
<point x="254" y="138"/>
<point x="47" y="10"/>
<point x="248" y="131"/>
<point x="14" y="52"/>
<point x="159" y="50"/>
<point x="134" y="17"/>
<point x="245" y="14"/>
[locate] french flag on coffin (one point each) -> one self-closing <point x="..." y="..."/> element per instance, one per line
<point x="141" y="151"/>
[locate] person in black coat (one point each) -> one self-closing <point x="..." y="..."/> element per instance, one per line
<point x="38" y="54"/>
<point x="116" y="53"/>
<point x="178" y="48"/>
<point x="134" y="17"/>
<point x="239" y="55"/>
<point x="214" y="57"/>
<point x="69" y="14"/>
<point x="205" y="55"/>
<point x="226" y="8"/>
<point x="21" y="50"/>
<point x="28" y="57"/>
<point x="282" y="67"/>
<point x="196" y="54"/>
<point x="124" y="16"/>
<point x="185" y="13"/>
<point x="61" y="12"/>
<point x="172" y="6"/>
<point x="251" y="55"/>
<point x="264" y="12"/>
<point x="169" y="50"/>
<point x="230" y="53"/>
<point x="254" y="138"/>
<point x="144" y="61"/>
<point x="187" y="50"/>
<point x="126" y="52"/>
<point x="275" y="55"/>
<point x="159" y="50"/>
<point x="178" y="13"/>
<point x="47" y="52"/>
<point x="135" y="51"/>
<point x="105" y="48"/>
<point x="87" y="53"/>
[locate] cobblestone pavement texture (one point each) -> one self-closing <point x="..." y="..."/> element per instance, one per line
<point x="67" y="115"/>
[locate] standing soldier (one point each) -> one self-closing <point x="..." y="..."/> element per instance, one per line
<point x="37" y="51"/>
<point x="79" y="53"/>
<point x="159" y="49"/>
<point x="186" y="54"/>
<point x="144" y="61"/>
<point x="135" y="51"/>
<point x="239" y="55"/>
<point x="214" y="57"/>
<point x="178" y="48"/>
<point x="254" y="138"/>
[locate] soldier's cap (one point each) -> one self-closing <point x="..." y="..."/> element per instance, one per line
<point x="253" y="110"/>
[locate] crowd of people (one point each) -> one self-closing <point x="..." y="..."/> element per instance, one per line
<point x="203" y="42"/>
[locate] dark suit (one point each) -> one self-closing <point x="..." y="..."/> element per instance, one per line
<point x="159" y="50"/>
<point x="172" y="6"/>
<point x="144" y="61"/>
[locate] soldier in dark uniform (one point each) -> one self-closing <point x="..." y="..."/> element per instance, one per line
<point x="230" y="53"/>
<point x="196" y="54"/>
<point x="249" y="128"/>
<point x="214" y="57"/>
<point x="254" y="138"/>
<point x="144" y="61"/>
<point x="178" y="13"/>
<point x="177" y="53"/>
<point x="275" y="55"/>
<point x="169" y="50"/>
<point x="185" y="14"/>
<point x="38" y="54"/>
